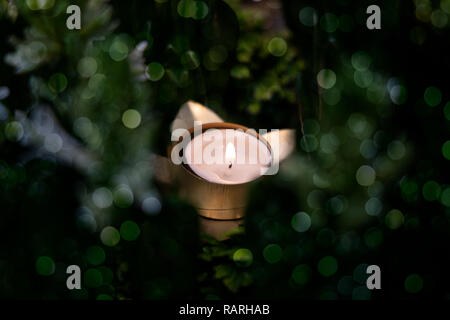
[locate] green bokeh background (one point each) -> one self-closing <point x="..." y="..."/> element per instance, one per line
<point x="84" y="113"/>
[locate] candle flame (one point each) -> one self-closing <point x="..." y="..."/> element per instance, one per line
<point x="230" y="153"/>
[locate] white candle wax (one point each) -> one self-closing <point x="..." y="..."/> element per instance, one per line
<point x="227" y="156"/>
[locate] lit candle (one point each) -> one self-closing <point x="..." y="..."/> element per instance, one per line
<point x="219" y="189"/>
<point x="230" y="154"/>
<point x="227" y="156"/>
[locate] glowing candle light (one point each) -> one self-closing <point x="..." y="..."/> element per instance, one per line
<point x="216" y="163"/>
<point x="230" y="154"/>
<point x="243" y="160"/>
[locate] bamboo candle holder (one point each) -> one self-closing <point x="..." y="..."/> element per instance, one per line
<point x="215" y="200"/>
<point x="220" y="206"/>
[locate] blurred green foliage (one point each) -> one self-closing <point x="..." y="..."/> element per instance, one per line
<point x="83" y="113"/>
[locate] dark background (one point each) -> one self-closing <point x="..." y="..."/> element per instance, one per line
<point x="224" y="60"/>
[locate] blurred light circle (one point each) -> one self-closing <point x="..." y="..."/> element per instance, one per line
<point x="40" y="4"/>
<point x="243" y="257"/>
<point x="45" y="266"/>
<point x="413" y="283"/>
<point x="110" y="236"/>
<point x="155" y="71"/>
<point x="301" y="274"/>
<point x="301" y="222"/>
<point x="346" y="242"/>
<point x="445" y="197"/>
<point x="310" y="127"/>
<point x="423" y="11"/>
<point x="412" y="224"/>
<point x="83" y="127"/>
<point x="102" y="197"/>
<point x="332" y="96"/>
<point x="123" y="196"/>
<point x="315" y="199"/>
<point x="4" y="114"/>
<point x="321" y="180"/>
<point x="446" y="149"/>
<point x="309" y="143"/>
<point x="129" y="230"/>
<point x="361" y="293"/>
<point x="373" y="206"/>
<point x="365" y="176"/>
<point x="368" y="149"/>
<point x="240" y="72"/>
<point x="409" y="188"/>
<point x="151" y="205"/>
<point x="361" y="60"/>
<point x="254" y="108"/>
<point x="329" y="22"/>
<point x="37" y="51"/>
<point x="445" y="5"/>
<point x="131" y="119"/>
<point x="192" y="9"/>
<point x="329" y="143"/>
<point x="218" y="54"/>
<point x="346" y="23"/>
<point x="87" y="222"/>
<point x="418" y="35"/>
<point x="327" y="266"/>
<point x="272" y="253"/>
<point x="44" y="123"/>
<point x="326" y="78"/>
<point x="359" y="125"/>
<point x="277" y="46"/>
<point x="14" y="131"/>
<point x="363" y="79"/>
<point x="375" y="94"/>
<point x="200" y="10"/>
<point x="186" y="8"/>
<point x="337" y="204"/>
<point x="439" y="18"/>
<point x="118" y="51"/>
<point x="431" y="190"/>
<point x="308" y="16"/>
<point x="432" y="96"/>
<point x="398" y="94"/>
<point x="93" y="278"/>
<point x="107" y="275"/>
<point x="394" y="219"/>
<point x="57" y="82"/>
<point x="396" y="150"/>
<point x="53" y="143"/>
<point x="88" y="93"/>
<point x="87" y="67"/>
<point x="95" y="255"/>
<point x="373" y="237"/>
<point x="360" y="273"/>
<point x="345" y="285"/>
<point x="447" y="109"/>
<point x="375" y="189"/>
<point x="96" y="81"/>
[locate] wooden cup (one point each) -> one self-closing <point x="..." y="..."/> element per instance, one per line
<point x="214" y="201"/>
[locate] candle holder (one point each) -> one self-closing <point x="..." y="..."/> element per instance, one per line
<point x="220" y="206"/>
<point x="215" y="200"/>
